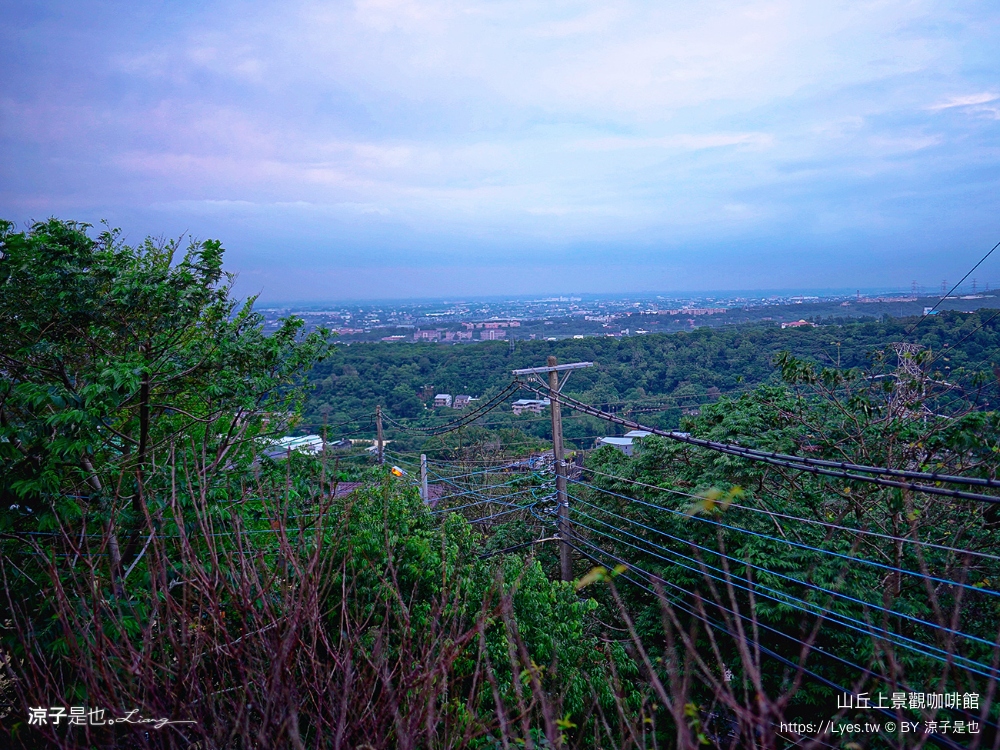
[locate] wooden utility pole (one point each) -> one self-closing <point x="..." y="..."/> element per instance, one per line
<point x="423" y="478"/>
<point x="562" y="502"/>
<point x="378" y="430"/>
<point x="562" y="499"/>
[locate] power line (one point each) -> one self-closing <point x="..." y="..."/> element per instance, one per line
<point x="767" y="512"/>
<point x="489" y="406"/>
<point x="801" y="463"/>
<point x="485" y="501"/>
<point x="912" y="329"/>
<point x="788" y="542"/>
<point x="936" y="738"/>
<point x="813" y="586"/>
<point x="977" y="329"/>
<point x="828" y="614"/>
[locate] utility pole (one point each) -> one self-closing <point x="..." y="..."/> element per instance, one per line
<point x="378" y="431"/>
<point x="423" y="478"/>
<point x="562" y="500"/>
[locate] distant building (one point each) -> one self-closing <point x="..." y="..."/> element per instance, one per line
<point x="797" y="324"/>
<point x="626" y="443"/>
<point x="462" y="401"/>
<point x="431" y="335"/>
<point x="492" y="335"/>
<point x="536" y="405"/>
<point x="695" y="311"/>
<point x="284" y="446"/>
<point x="442" y="399"/>
<point x="493" y="324"/>
<point x="887" y="299"/>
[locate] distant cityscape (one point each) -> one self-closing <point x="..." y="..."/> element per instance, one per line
<point x="559" y="317"/>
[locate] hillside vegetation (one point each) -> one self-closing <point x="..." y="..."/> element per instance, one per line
<point x="657" y="375"/>
<point x="156" y="563"/>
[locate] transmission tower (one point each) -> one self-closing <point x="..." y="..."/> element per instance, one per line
<point x="910" y="379"/>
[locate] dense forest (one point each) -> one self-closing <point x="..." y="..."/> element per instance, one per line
<point x="660" y="376"/>
<point x="168" y="583"/>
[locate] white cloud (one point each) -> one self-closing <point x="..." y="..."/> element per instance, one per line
<point x="682" y="141"/>
<point x="904" y="144"/>
<point x="590" y="121"/>
<point x="968" y="100"/>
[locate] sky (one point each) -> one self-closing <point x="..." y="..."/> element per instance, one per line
<point x="403" y="148"/>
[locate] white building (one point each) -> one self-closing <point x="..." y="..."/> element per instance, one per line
<point x="625" y="444"/>
<point x="442" y="399"/>
<point x="283" y="446"/>
<point x="535" y="405"/>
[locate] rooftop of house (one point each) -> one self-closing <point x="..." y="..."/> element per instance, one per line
<point x="615" y="440"/>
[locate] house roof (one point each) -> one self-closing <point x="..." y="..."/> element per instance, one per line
<point x="615" y="440"/>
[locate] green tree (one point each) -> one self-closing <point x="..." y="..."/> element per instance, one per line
<point x="113" y="356"/>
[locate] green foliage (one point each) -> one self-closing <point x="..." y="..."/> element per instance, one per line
<point x="114" y="354"/>
<point x="135" y="393"/>
<point x="419" y="572"/>
<point x="708" y="516"/>
<point x="662" y="373"/>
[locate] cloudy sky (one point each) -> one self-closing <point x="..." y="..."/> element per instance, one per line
<point x="410" y="148"/>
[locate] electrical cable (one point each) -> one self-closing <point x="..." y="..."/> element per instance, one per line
<point x="946" y="296"/>
<point x="740" y="450"/>
<point x="502" y="513"/>
<point x="470" y="492"/>
<point x="952" y="347"/>
<point x="813" y="586"/>
<point x="942" y="740"/>
<point x="789" y="542"/>
<point x="723" y="608"/>
<point x="447" y="480"/>
<point x="472" y="416"/>
<point x="497" y="500"/>
<point x="832" y="616"/>
<point x="801" y="463"/>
